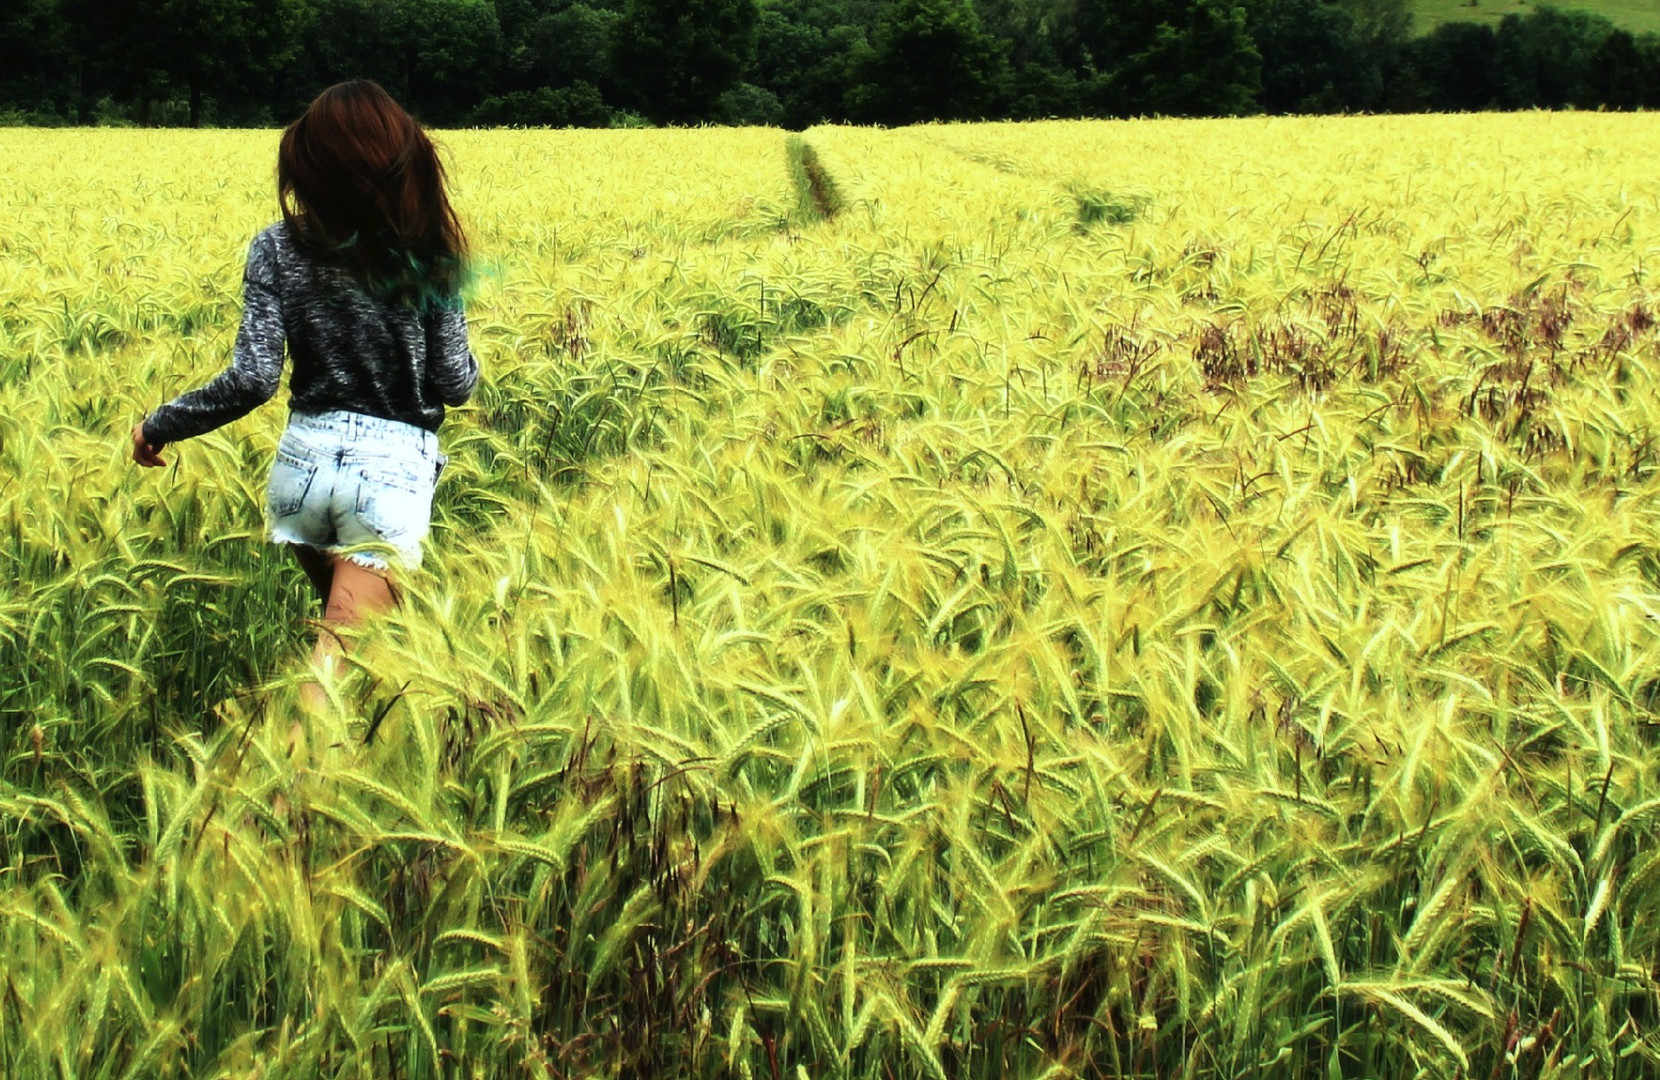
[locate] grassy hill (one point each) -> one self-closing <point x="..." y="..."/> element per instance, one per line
<point x="1638" y="16"/>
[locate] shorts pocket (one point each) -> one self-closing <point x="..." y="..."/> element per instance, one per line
<point x="291" y="480"/>
<point x="395" y="503"/>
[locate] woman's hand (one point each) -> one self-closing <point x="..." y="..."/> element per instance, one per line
<point x="143" y="453"/>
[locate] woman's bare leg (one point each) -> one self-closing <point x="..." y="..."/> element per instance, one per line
<point x="355" y="593"/>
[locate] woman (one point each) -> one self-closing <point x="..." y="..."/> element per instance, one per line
<point x="361" y="279"/>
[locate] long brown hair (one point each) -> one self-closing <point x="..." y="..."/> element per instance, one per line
<point x="360" y="183"/>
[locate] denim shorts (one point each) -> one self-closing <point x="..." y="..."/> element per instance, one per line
<point x="355" y="486"/>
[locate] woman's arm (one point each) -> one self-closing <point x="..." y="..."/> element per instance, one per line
<point x="452" y="369"/>
<point x="255" y="369"/>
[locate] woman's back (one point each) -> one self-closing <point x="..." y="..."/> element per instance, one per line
<point x="350" y="350"/>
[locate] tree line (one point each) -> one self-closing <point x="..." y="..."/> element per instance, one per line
<point x="798" y="62"/>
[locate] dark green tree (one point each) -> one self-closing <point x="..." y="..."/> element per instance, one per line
<point x="37" y="70"/>
<point x="229" y="48"/>
<point x="804" y="54"/>
<point x="576" y="105"/>
<point x="565" y="46"/>
<point x="1028" y="28"/>
<point x="1625" y="72"/>
<point x="672" y="59"/>
<point x="142" y="50"/>
<point x="105" y="36"/>
<point x="1383" y="36"/>
<point x="929" y="60"/>
<point x="1545" y="58"/>
<point x="1381" y="25"/>
<point x="1617" y="76"/>
<point x="452" y="51"/>
<point x="440" y="58"/>
<point x="1040" y="39"/>
<point x="515" y="17"/>
<point x="347" y="39"/>
<point x="1174" y="57"/>
<point x="1313" y="60"/>
<point x="1457" y="67"/>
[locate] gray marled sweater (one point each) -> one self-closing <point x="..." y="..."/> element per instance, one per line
<point x="349" y="350"/>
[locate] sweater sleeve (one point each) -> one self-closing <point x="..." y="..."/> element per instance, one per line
<point x="255" y="369"/>
<point x="451" y="366"/>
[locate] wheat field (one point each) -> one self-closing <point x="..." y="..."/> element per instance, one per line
<point x="1131" y="599"/>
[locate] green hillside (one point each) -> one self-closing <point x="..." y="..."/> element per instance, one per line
<point x="1638" y="16"/>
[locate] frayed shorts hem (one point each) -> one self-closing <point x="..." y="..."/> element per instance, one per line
<point x="406" y="561"/>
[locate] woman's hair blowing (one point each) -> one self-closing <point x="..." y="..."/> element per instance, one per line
<point x="360" y="182"/>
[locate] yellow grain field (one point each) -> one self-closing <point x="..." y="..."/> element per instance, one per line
<point x="1131" y="599"/>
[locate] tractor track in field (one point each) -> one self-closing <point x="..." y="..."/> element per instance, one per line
<point x="819" y="198"/>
